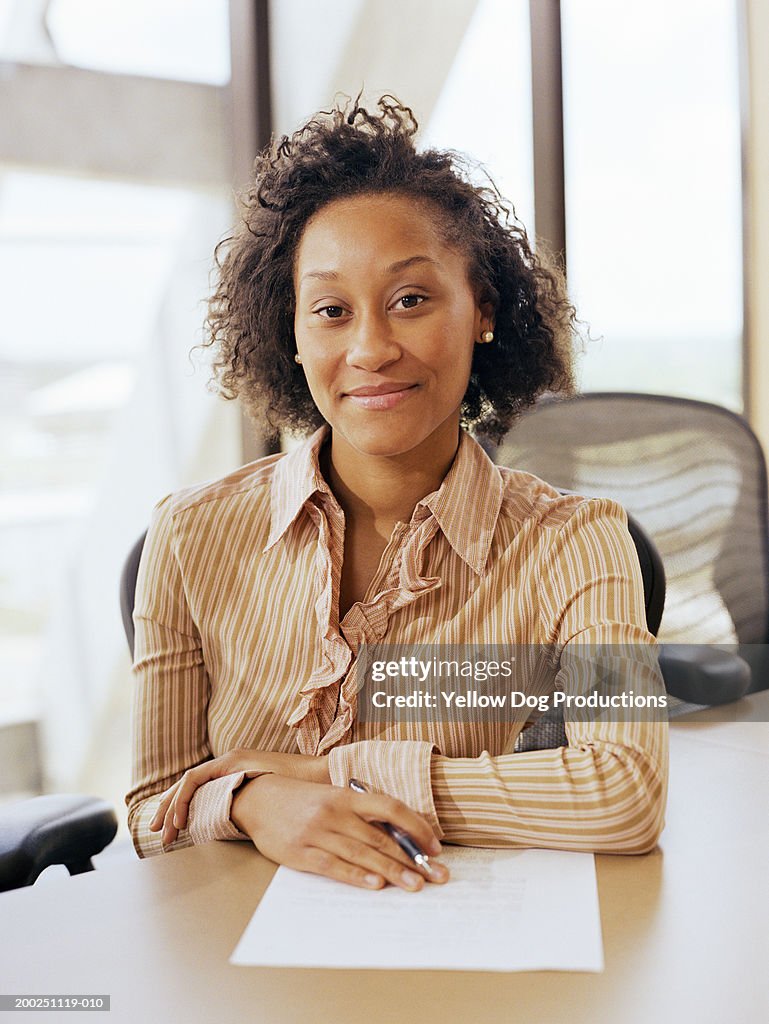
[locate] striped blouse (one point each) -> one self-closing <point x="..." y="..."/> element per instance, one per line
<point x="239" y="644"/>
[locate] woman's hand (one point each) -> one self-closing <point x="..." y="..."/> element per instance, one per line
<point x="172" y="811"/>
<point x="332" y="831"/>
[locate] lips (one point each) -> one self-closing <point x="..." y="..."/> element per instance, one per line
<point x="388" y="388"/>
<point x="381" y="397"/>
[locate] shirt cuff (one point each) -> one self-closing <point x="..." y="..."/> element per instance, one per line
<point x="150" y="844"/>
<point x="208" y="817"/>
<point x="399" y="768"/>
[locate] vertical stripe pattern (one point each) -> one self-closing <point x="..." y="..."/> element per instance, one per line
<point x="238" y="644"/>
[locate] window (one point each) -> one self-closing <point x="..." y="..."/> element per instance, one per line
<point x="653" y="194"/>
<point x="113" y="193"/>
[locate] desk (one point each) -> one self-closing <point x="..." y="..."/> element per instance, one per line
<point x="685" y="928"/>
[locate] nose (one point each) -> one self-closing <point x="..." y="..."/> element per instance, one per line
<point x="372" y="343"/>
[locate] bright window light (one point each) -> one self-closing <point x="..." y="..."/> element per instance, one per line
<point x="186" y="40"/>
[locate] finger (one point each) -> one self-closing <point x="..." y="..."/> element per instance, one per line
<point x="374" y="807"/>
<point x="176" y="805"/>
<point x="433" y="871"/>
<point x="169" y="832"/>
<point x="375" y="836"/>
<point x="325" y="862"/>
<point x="170" y="824"/>
<point x="191" y="781"/>
<point x="159" y="815"/>
<point x="176" y="812"/>
<point x="361" y="855"/>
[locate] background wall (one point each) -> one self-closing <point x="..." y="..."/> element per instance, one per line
<point x="757" y="182"/>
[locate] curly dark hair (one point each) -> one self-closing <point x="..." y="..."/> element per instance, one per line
<point x="349" y="151"/>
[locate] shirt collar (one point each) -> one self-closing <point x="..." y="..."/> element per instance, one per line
<point x="466" y="505"/>
<point x="296" y="478"/>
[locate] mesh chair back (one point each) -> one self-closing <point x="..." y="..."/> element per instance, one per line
<point x="692" y="474"/>
<point x="128" y="589"/>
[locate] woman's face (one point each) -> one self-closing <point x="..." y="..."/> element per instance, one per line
<point x="385" y="324"/>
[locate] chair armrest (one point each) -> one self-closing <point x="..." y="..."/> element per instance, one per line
<point x="703" y="674"/>
<point x="46" y="830"/>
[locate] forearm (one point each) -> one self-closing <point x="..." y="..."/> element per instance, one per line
<point x="604" y="797"/>
<point x="604" y="793"/>
<point x="400" y="768"/>
<point x="310" y="769"/>
<point x="211" y="791"/>
<point x="209" y="817"/>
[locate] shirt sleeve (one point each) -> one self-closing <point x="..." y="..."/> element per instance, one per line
<point x="604" y="792"/>
<point x="171" y="692"/>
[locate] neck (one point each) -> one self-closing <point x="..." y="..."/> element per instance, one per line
<point x="381" y="490"/>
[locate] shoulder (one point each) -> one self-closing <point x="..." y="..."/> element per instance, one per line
<point x="529" y="501"/>
<point x="249" y="484"/>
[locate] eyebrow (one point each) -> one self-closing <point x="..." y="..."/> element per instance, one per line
<point x="394" y="268"/>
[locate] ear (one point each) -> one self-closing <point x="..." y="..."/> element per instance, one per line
<point x="488" y="314"/>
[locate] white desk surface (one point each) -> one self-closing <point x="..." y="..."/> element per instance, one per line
<point x="686" y="928"/>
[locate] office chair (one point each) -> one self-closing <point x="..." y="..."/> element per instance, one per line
<point x="60" y="828"/>
<point x="128" y="589"/>
<point x="56" y="829"/>
<point x="63" y="828"/>
<point x="694" y="476"/>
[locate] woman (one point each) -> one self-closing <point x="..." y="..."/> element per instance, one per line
<point x="375" y="296"/>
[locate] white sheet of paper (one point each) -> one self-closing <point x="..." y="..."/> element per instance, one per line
<point x="502" y="910"/>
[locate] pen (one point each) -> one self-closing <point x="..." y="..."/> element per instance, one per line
<point x="403" y="839"/>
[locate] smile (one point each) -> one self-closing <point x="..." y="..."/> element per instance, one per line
<point x="386" y="396"/>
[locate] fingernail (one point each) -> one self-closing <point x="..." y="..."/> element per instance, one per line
<point x="411" y="880"/>
<point x="435" y="847"/>
<point x="373" y="880"/>
<point x="176" y="822"/>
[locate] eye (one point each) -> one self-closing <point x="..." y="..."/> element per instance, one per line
<point x="410" y="301"/>
<point x="330" y="312"/>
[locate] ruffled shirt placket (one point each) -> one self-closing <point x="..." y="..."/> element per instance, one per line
<point x="328" y="705"/>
